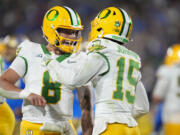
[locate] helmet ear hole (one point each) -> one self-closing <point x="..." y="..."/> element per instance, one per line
<point x="99" y="29"/>
<point x="114" y="13"/>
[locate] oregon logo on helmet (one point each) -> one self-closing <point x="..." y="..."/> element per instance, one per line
<point x="29" y="132"/>
<point x="104" y="14"/>
<point x="52" y="15"/>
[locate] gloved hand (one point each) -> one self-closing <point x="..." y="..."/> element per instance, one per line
<point x="62" y="127"/>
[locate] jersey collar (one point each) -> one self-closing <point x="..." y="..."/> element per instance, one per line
<point x="60" y="58"/>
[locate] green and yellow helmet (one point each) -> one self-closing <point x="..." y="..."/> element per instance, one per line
<point x="62" y="17"/>
<point x="173" y="55"/>
<point x="113" y="23"/>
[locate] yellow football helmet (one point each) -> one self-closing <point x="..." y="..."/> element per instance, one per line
<point x="113" y="23"/>
<point x="62" y="18"/>
<point x="2" y="48"/>
<point x="173" y="55"/>
<point x="11" y="41"/>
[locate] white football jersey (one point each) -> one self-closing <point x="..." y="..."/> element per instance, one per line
<point x="28" y="64"/>
<point x="168" y="88"/>
<point x="115" y="72"/>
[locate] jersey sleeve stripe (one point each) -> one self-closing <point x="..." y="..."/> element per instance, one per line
<point x="104" y="56"/>
<point x="63" y="57"/>
<point x="26" y="63"/>
<point x="45" y="50"/>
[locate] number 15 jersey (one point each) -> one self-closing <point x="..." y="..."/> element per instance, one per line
<point x="28" y="64"/>
<point x="115" y="73"/>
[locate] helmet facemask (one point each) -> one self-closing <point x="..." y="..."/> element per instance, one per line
<point x="66" y="44"/>
<point x="62" y="28"/>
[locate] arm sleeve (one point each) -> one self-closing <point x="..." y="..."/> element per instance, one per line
<point x="9" y="94"/>
<point x="141" y="104"/>
<point x="77" y="74"/>
<point x="19" y="66"/>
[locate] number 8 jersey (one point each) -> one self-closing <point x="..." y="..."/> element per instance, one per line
<point x="28" y="64"/>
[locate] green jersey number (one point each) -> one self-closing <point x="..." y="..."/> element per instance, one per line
<point x="51" y="91"/>
<point x="118" y="94"/>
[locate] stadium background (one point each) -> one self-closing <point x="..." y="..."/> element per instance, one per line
<point x="155" y="25"/>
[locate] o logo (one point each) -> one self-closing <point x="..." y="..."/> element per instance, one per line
<point x="52" y="15"/>
<point x="105" y="13"/>
<point x="29" y="132"/>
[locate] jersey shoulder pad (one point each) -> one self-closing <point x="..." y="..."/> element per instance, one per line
<point x="25" y="47"/>
<point x="95" y="46"/>
<point x="129" y="53"/>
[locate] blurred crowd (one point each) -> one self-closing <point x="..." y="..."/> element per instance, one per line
<point x="155" y="25"/>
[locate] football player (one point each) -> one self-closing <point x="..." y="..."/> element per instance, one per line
<point x="167" y="90"/>
<point x="11" y="42"/>
<point x="62" y="29"/>
<point x="115" y="73"/>
<point x="7" y="118"/>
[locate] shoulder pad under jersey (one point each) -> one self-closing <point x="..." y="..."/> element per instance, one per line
<point x="24" y="48"/>
<point x="95" y="46"/>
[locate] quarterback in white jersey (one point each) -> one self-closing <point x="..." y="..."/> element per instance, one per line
<point x="167" y="90"/>
<point x="51" y="116"/>
<point x="37" y="79"/>
<point x="115" y="73"/>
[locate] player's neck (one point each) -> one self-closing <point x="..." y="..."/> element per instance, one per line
<point x="56" y="50"/>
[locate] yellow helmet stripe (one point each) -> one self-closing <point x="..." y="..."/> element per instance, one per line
<point x="126" y="24"/>
<point x="73" y="16"/>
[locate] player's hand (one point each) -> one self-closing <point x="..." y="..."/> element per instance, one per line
<point x="36" y="100"/>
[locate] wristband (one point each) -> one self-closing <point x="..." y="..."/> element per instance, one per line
<point x="24" y="94"/>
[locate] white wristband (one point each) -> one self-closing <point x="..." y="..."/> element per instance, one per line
<point x="24" y="94"/>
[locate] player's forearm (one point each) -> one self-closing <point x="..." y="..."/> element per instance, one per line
<point x="9" y="90"/>
<point x="60" y="72"/>
<point x="84" y="95"/>
<point x="9" y="94"/>
<point x="8" y="86"/>
<point x="86" y="122"/>
<point x="76" y="74"/>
